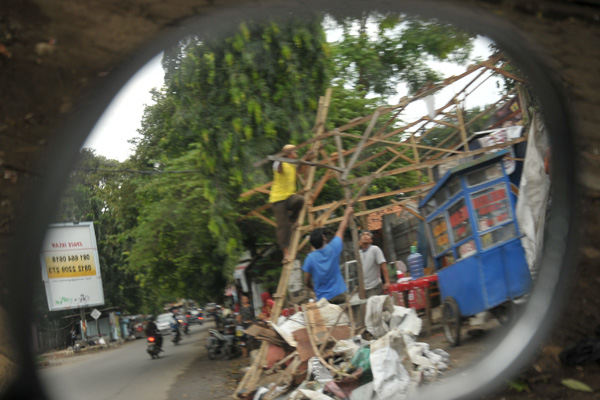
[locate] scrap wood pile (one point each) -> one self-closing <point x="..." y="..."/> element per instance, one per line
<point x="316" y="354"/>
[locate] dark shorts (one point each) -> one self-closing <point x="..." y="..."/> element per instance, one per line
<point x="339" y="299"/>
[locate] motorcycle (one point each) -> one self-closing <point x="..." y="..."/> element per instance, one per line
<point x="183" y="322"/>
<point x="153" y="347"/>
<point x="224" y="342"/>
<point x="176" y="335"/>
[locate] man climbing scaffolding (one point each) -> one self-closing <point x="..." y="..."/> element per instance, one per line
<point x="286" y="202"/>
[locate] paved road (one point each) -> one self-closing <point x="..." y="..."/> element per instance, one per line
<point x="124" y="373"/>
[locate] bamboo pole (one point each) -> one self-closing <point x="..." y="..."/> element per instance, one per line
<point x="353" y="232"/>
<point x="252" y="375"/>
<point x="360" y="146"/>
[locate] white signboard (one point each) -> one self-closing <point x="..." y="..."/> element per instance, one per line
<point x="70" y="267"/>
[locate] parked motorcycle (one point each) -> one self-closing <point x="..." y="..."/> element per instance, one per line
<point x="224" y="342"/>
<point x="153" y="347"/>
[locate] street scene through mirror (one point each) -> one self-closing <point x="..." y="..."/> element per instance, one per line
<point x="342" y="208"/>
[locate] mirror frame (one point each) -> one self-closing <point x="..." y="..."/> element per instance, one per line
<point x="511" y="352"/>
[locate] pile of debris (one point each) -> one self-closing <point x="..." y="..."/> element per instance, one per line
<point x="315" y="354"/>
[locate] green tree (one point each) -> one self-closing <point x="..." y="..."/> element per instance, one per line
<point x="225" y="105"/>
<point x="377" y="52"/>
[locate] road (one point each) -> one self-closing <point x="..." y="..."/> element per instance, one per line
<point x="126" y="372"/>
<point x="185" y="372"/>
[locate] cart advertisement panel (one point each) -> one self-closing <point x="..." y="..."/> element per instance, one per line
<point x="70" y="268"/>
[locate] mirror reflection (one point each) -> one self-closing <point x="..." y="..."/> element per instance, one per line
<point x="305" y="207"/>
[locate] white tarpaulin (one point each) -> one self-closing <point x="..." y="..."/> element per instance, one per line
<point x="534" y="190"/>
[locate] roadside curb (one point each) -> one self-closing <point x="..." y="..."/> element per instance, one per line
<point x="53" y="358"/>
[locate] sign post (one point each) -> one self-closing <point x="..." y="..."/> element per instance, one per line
<point x="96" y="314"/>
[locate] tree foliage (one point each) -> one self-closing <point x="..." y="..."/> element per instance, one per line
<point x="377" y="52"/>
<point x="226" y="104"/>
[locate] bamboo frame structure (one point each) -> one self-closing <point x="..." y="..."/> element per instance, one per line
<point x="401" y="147"/>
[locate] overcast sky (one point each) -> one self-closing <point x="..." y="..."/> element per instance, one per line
<point x="122" y="118"/>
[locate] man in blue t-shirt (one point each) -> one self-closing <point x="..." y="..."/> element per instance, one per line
<point x="322" y="265"/>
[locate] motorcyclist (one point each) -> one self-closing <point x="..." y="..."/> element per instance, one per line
<point x="175" y="325"/>
<point x="152" y="330"/>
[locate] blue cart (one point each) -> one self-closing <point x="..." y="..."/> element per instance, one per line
<point x="475" y="241"/>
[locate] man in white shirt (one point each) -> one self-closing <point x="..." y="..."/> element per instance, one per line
<point x="374" y="266"/>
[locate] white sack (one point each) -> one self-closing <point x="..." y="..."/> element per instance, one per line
<point x="390" y="378"/>
<point x="310" y="394"/>
<point x="378" y="315"/>
<point x="289" y="326"/>
<point x="346" y="348"/>
<point x="364" y="392"/>
<point x="330" y="312"/>
<point x="261" y="390"/>
<point x="406" y="320"/>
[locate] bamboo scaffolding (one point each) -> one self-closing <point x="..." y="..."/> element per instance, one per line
<point x="431" y="163"/>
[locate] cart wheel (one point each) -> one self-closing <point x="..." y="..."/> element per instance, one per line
<point x="504" y="313"/>
<point x="452" y="321"/>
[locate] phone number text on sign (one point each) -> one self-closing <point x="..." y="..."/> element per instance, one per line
<point x="70" y="266"/>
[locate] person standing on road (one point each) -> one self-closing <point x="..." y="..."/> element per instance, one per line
<point x="73" y="336"/>
<point x="374" y="266"/>
<point x="322" y="265"/>
<point x="286" y="202"/>
<point x="246" y="317"/>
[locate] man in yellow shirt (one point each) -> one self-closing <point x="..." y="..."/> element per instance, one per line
<point x="286" y="203"/>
